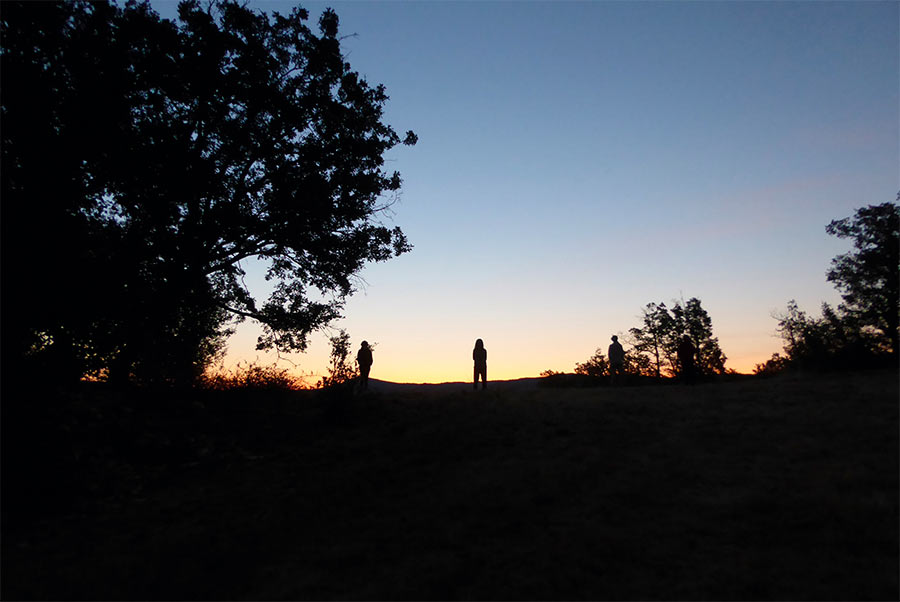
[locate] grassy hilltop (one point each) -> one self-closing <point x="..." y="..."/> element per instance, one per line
<point x="782" y="488"/>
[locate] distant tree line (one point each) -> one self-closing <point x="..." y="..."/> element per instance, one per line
<point x="144" y="161"/>
<point x="862" y="331"/>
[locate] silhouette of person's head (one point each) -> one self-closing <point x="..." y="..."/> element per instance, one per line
<point x="364" y="345"/>
<point x="615" y="339"/>
<point x="479" y="344"/>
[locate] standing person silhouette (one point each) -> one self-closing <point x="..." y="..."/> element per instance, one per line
<point x="686" y="352"/>
<point x="616" y="360"/>
<point x="364" y="359"/>
<point x="479" y="355"/>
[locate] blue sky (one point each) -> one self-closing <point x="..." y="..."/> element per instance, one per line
<point x="578" y="160"/>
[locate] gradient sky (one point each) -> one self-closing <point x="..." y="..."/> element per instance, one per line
<point x="577" y="161"/>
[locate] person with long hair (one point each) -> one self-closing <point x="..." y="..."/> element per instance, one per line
<point x="479" y="355"/>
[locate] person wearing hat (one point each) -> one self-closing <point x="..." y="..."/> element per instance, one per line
<point x="616" y="360"/>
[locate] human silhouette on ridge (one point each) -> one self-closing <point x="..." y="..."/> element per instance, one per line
<point x="616" y="360"/>
<point x="686" y="352"/>
<point x="479" y="355"/>
<point x="364" y="359"/>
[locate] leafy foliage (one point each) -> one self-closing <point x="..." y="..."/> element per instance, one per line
<point x="178" y="151"/>
<point x="597" y="365"/>
<point x="771" y="366"/>
<point x="252" y="377"/>
<point x="862" y="331"/>
<point x="662" y="329"/>
<point x="691" y="319"/>
<point x="827" y="343"/>
<point x="651" y="349"/>
<point x="868" y="277"/>
<point x="653" y="340"/>
<point x="340" y="368"/>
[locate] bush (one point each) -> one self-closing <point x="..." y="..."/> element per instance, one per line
<point x="596" y="366"/>
<point x="775" y="365"/>
<point x="252" y="377"/>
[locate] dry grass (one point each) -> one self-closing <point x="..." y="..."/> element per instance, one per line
<point x="783" y="489"/>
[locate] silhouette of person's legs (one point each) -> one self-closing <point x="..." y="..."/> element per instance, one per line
<point x="688" y="374"/>
<point x="364" y="377"/>
<point x="480" y="371"/>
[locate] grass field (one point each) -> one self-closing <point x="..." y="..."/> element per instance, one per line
<point x="776" y="489"/>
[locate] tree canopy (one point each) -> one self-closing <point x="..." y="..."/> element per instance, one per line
<point x="868" y="276"/>
<point x="863" y="330"/>
<point x="144" y="160"/>
<point x="658" y="337"/>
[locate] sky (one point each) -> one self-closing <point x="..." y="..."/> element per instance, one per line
<point x="579" y="160"/>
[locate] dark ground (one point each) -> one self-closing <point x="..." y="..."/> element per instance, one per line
<point x="778" y="489"/>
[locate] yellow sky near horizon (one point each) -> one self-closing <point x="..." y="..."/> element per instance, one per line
<point x="445" y="355"/>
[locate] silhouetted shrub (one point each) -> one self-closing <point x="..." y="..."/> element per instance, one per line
<point x="562" y="380"/>
<point x="775" y="365"/>
<point x="834" y="342"/>
<point x="252" y="377"/>
<point x="596" y="366"/>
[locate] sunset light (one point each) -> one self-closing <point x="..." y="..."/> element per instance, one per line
<point x="457" y="300"/>
<point x="582" y="160"/>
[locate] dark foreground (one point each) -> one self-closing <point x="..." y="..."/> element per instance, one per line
<point x="780" y="489"/>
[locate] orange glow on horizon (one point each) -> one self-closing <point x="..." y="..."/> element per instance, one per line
<point x="385" y="370"/>
<point x="442" y="352"/>
<point x="508" y="374"/>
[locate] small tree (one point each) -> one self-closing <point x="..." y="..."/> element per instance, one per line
<point x="340" y="369"/>
<point x="655" y="338"/>
<point x="691" y="319"/>
<point x="636" y="362"/>
<point x="655" y="343"/>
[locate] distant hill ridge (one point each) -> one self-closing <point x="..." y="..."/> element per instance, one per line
<point x="384" y="386"/>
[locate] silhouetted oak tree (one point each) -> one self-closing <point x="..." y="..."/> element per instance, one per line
<point x="144" y="160"/>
